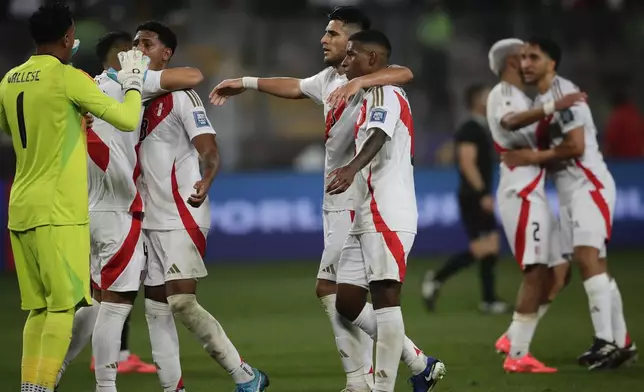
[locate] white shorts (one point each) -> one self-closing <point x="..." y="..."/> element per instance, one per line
<point x="175" y="255"/>
<point x="336" y="230"/>
<point x="531" y="228"/>
<point x="117" y="250"/>
<point x="588" y="219"/>
<point x="372" y="257"/>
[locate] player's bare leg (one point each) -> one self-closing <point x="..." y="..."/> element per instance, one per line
<point x="163" y="339"/>
<point x="106" y="338"/>
<point x="598" y="288"/>
<point x="530" y="299"/>
<point x="354" y="345"/>
<point x="84" y="322"/>
<point x="183" y="303"/>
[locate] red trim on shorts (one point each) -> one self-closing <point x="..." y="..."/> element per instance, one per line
<point x="117" y="264"/>
<point x="391" y="238"/>
<point x="352" y="214"/>
<point x="198" y="238"/>
<point x="597" y="197"/>
<point x="524" y="215"/>
<point x="98" y="151"/>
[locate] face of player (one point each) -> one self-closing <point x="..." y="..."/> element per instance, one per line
<point x="358" y="61"/>
<point x="148" y="42"/>
<point x="535" y="64"/>
<point x="334" y="43"/>
<point x="68" y="43"/>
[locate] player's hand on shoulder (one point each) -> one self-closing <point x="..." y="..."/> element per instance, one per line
<point x="199" y="196"/>
<point x="226" y="89"/>
<point x="487" y="203"/>
<point x="522" y="157"/>
<point x="341" y="180"/>
<point x="570" y="100"/>
<point x="134" y="65"/>
<point x="344" y="93"/>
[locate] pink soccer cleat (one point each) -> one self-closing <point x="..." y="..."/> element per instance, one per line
<point x="134" y="364"/>
<point x="502" y="345"/>
<point x="526" y="364"/>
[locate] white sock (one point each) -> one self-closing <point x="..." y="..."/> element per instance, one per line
<point x="543" y="309"/>
<point x="599" y="300"/>
<point x="84" y="321"/>
<point x="124" y="355"/>
<point x="412" y="356"/>
<point x="617" y="315"/>
<point x="211" y="335"/>
<point x="389" y="347"/>
<point x="106" y="343"/>
<point x="165" y="344"/>
<point x="348" y="342"/>
<point x="521" y="332"/>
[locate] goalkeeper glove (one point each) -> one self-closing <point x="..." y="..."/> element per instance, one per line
<point x="133" y="67"/>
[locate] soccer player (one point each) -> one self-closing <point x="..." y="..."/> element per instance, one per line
<point x="41" y="103"/>
<point x="374" y="257"/>
<point x="177" y="136"/>
<point x="587" y="192"/>
<point x="342" y="103"/>
<point x="474" y="151"/>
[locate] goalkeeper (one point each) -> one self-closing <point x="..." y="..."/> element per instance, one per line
<point x="41" y="106"/>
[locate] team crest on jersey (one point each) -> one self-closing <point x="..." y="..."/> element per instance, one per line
<point x="200" y="119"/>
<point x="378" y="115"/>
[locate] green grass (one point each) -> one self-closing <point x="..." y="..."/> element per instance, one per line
<point x="271" y="314"/>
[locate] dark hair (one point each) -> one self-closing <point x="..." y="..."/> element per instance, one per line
<point x="50" y="23"/>
<point x="107" y="42"/>
<point x="472" y="92"/>
<point x="166" y="35"/>
<point x="549" y="47"/>
<point x="350" y="15"/>
<point x="373" y="37"/>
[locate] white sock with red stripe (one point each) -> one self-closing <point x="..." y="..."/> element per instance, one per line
<point x="618" y="322"/>
<point x="389" y="347"/>
<point x="106" y="343"/>
<point x="521" y="333"/>
<point x="599" y="294"/>
<point x="84" y="321"/>
<point x="411" y="355"/>
<point x="211" y="335"/>
<point x="349" y="344"/>
<point x="165" y="344"/>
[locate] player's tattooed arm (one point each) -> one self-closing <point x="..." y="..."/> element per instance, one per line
<point x="342" y="177"/>
<point x="173" y="79"/>
<point x="516" y="121"/>
<point x="206" y="145"/>
<point x="393" y="75"/>
<point x="573" y="146"/>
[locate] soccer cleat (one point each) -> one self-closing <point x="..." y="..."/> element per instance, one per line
<point x="526" y="364"/>
<point x="427" y="380"/>
<point x="626" y="357"/>
<point x="496" y="307"/>
<point x="258" y="384"/>
<point x="600" y="355"/>
<point x="503" y="344"/>
<point x="134" y="364"/>
<point x="430" y="290"/>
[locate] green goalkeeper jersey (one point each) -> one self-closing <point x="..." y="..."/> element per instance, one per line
<point x="41" y="106"/>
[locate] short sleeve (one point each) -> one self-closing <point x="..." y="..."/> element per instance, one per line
<point x="192" y="114"/>
<point x="507" y="104"/>
<point x="384" y="110"/>
<point x="313" y="86"/>
<point x="152" y="85"/>
<point x="571" y="118"/>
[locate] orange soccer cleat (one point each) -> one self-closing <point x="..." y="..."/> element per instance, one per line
<point x="133" y="364"/>
<point x="502" y="345"/>
<point x="526" y="364"/>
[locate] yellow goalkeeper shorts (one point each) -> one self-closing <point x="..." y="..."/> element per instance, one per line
<point x="52" y="263"/>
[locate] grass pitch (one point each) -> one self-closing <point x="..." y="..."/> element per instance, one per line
<point x="271" y="314"/>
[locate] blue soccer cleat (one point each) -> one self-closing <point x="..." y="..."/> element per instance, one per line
<point x="258" y="384"/>
<point x="427" y="380"/>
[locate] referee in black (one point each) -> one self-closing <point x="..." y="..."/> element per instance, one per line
<point x="475" y="160"/>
